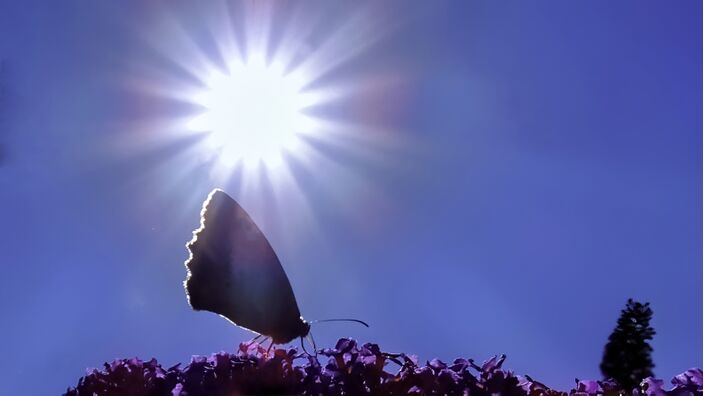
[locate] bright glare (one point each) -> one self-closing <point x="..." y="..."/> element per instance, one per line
<point x="252" y="113"/>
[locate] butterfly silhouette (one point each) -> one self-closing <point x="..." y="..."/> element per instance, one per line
<point x="234" y="272"/>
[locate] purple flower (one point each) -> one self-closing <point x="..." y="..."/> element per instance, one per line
<point x="177" y="390"/>
<point x="437" y="365"/>
<point x="652" y="387"/>
<point x="493" y="363"/>
<point x="345" y="345"/>
<point x="459" y="365"/>
<point x="350" y="369"/>
<point x="370" y="349"/>
<point x="588" y="386"/>
<point x="690" y="378"/>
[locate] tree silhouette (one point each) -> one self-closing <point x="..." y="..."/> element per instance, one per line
<point x="627" y="354"/>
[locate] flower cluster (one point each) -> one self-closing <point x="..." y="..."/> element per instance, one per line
<point x="350" y="370"/>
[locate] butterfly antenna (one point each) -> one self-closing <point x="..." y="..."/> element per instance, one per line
<point x="340" y="320"/>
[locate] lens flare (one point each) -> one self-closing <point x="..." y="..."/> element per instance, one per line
<point x="265" y="100"/>
<point x="253" y="113"/>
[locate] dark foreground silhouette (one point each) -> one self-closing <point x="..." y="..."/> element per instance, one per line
<point x="627" y="354"/>
<point x="347" y="369"/>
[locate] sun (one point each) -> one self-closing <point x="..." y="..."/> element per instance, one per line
<point x="253" y="113"/>
<point x="257" y="90"/>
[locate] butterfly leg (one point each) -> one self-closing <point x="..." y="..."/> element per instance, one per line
<point x="254" y="343"/>
<point x="312" y="341"/>
<point x="270" y="345"/>
<point x="303" y="346"/>
<point x="253" y="340"/>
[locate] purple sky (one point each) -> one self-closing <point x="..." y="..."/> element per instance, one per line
<point x="501" y="178"/>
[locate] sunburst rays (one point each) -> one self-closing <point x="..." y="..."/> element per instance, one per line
<point x="194" y="51"/>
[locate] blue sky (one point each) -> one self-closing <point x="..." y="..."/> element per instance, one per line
<point x="500" y="177"/>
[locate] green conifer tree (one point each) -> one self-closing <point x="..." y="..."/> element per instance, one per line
<point x="627" y="354"/>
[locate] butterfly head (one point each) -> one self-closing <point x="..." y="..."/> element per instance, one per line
<point x="300" y="328"/>
<point x="303" y="328"/>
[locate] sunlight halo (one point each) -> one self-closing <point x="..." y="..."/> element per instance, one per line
<point x="253" y="113"/>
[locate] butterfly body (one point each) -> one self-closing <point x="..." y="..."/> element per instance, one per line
<point x="234" y="272"/>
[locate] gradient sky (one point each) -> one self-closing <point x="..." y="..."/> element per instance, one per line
<point x="502" y="177"/>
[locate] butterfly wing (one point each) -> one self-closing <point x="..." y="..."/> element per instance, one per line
<point x="234" y="272"/>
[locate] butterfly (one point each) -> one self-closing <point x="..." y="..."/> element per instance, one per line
<point x="233" y="271"/>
